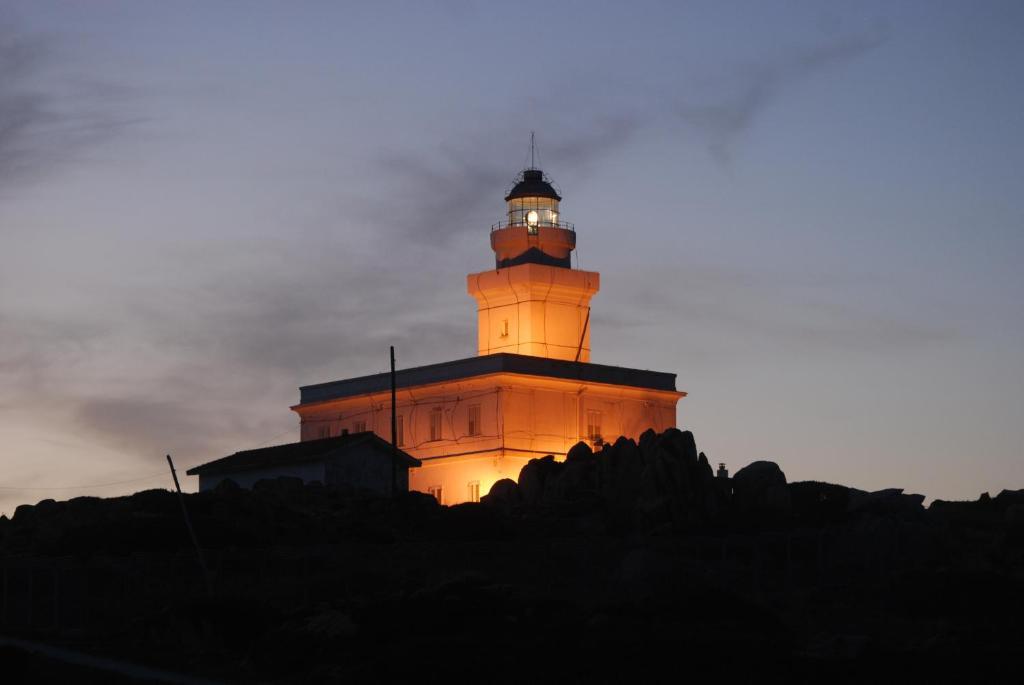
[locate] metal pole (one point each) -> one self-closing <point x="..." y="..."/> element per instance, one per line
<point x="191" y="531"/>
<point x="394" y="429"/>
<point x="583" y="335"/>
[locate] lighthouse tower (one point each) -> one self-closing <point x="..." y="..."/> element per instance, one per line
<point x="534" y="302"/>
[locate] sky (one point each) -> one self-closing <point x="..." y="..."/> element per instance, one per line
<point x="811" y="212"/>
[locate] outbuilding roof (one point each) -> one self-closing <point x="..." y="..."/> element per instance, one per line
<point x="301" y="452"/>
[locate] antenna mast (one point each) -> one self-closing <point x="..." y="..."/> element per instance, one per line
<point x="532" y="165"/>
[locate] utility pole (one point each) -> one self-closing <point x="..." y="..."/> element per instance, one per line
<point x="394" y="429"/>
<point x="191" y="531"/>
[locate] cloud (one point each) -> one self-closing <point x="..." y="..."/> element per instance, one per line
<point x="734" y="102"/>
<point x="441" y="195"/>
<point x="48" y="115"/>
<point x="210" y="364"/>
<point x="444" y="193"/>
<point x="726" y="310"/>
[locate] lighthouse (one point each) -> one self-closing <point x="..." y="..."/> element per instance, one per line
<point x="531" y="390"/>
<point x="533" y="302"/>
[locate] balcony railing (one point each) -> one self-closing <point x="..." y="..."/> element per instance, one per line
<point x="564" y="225"/>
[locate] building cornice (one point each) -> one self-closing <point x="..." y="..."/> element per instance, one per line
<point x="493" y="366"/>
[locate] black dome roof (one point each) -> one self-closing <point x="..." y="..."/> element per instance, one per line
<point x="532" y="183"/>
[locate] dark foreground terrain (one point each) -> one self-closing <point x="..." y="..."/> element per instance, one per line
<point x="630" y="564"/>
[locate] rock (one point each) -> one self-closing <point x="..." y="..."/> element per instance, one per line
<point x="1014" y="517"/>
<point x="473" y="521"/>
<point x="819" y="504"/>
<point x="619" y="471"/>
<point x="648" y="574"/>
<point x="48" y="507"/>
<point x="760" y="489"/>
<point x="418" y="500"/>
<point x="24" y="514"/>
<point x="534" y="476"/>
<point x="714" y="496"/>
<point x="982" y="512"/>
<point x="1008" y="498"/>
<point x="647" y="441"/>
<point x="504" y="494"/>
<point x="579" y="452"/>
<point x="329" y="625"/>
<point x="577" y="482"/>
<point x="890" y="501"/>
<point x="680" y="444"/>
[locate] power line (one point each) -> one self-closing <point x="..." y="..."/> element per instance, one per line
<point x="111" y="483"/>
<point x="79" y="487"/>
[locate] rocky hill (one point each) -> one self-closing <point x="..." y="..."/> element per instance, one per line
<point x="607" y="566"/>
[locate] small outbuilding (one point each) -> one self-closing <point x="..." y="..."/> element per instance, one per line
<point x="360" y="460"/>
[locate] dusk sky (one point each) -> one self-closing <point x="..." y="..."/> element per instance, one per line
<point x="813" y="213"/>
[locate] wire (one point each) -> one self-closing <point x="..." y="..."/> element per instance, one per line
<point x="270" y="440"/>
<point x="92" y="485"/>
<point x="118" y="482"/>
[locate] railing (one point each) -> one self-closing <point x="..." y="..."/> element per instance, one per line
<point x="564" y="225"/>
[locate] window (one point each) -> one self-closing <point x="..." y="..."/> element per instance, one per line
<point x="400" y="430"/>
<point x="474" y="420"/>
<point x="324" y="432"/>
<point x="437" y="493"/>
<point x="358" y="426"/>
<point x="436" y="418"/>
<point x="474" y="491"/>
<point x="594" y="426"/>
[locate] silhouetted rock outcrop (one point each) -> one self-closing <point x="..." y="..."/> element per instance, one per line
<point x="817" y="503"/>
<point x="662" y="483"/>
<point x="612" y="565"/>
<point x="891" y="501"/>
<point x="504" y="495"/>
<point x="759" y="490"/>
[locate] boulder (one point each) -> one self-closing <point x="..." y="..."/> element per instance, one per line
<point x="648" y="439"/>
<point x="982" y="512"/>
<point x="680" y="444"/>
<point x="713" y="499"/>
<point x="619" y="469"/>
<point x="819" y="504"/>
<point x="760" y="489"/>
<point x="473" y="521"/>
<point x="1007" y="498"/>
<point x="579" y="452"/>
<point x="888" y="502"/>
<point x="24" y="514"/>
<point x="534" y="477"/>
<point x="577" y="482"/>
<point x="1014" y="517"/>
<point x="504" y="495"/>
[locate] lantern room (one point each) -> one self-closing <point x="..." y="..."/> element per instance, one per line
<point x="532" y="202"/>
<point x="533" y="231"/>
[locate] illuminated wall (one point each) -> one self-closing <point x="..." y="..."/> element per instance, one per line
<point x="472" y="432"/>
<point x="534" y="309"/>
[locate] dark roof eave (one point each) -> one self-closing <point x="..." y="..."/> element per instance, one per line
<point x="302" y="452"/>
<point x="490" y="364"/>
